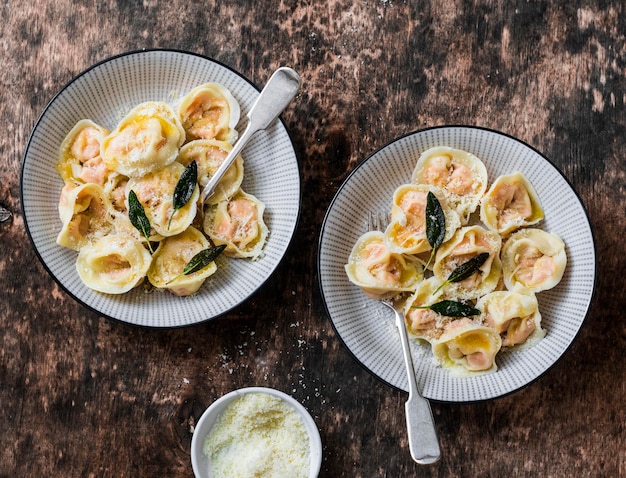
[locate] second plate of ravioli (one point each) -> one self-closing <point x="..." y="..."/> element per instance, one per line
<point x="106" y="92"/>
<point x="366" y="327"/>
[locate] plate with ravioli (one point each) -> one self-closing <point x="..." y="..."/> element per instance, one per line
<point x="111" y="180"/>
<point x="486" y="249"/>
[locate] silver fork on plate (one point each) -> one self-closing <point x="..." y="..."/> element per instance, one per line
<point x="423" y="441"/>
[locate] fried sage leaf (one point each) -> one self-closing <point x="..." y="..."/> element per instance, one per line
<point x="184" y="188"/>
<point x="451" y="308"/>
<point x="466" y="269"/>
<point x="200" y="261"/>
<point x="138" y="217"/>
<point x="435" y="224"/>
<point x="435" y="221"/>
<point x="203" y="259"/>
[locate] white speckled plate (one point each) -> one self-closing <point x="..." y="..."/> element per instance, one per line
<point x="105" y="93"/>
<point x="366" y="327"/>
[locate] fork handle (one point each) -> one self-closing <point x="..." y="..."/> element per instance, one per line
<point x="423" y="441"/>
<point x="280" y="89"/>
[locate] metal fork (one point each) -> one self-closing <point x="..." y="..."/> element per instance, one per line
<point x="423" y="441"/>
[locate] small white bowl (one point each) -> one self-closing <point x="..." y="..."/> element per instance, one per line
<point x="200" y="462"/>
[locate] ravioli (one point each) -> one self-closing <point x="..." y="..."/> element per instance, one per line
<point x="170" y="259"/>
<point x="467" y="243"/>
<point x="210" y="111"/>
<point x="514" y="315"/>
<point x="146" y="140"/>
<point x="510" y="203"/>
<point x="79" y="155"/>
<point x="155" y="191"/>
<point x="461" y="175"/>
<point x="209" y="154"/>
<point x="238" y="224"/>
<point x="533" y="259"/>
<point x="467" y="348"/>
<point x="406" y="233"/>
<point x="115" y="189"/>
<point x="113" y="264"/>
<point x="85" y="215"/>
<point x="424" y="323"/>
<point x="380" y="272"/>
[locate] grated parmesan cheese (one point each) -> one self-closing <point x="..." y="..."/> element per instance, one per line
<point x="258" y="435"/>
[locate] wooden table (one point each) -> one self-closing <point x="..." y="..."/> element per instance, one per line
<point x="85" y="396"/>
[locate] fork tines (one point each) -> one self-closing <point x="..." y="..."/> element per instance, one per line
<point x="377" y="221"/>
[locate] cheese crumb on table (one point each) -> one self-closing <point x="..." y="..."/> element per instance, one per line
<point x="258" y="435"/>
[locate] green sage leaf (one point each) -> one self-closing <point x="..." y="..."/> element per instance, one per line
<point x="468" y="268"/>
<point x="184" y="188"/>
<point x="435" y="224"/>
<point x="200" y="261"/>
<point x="138" y="218"/>
<point x="451" y="308"/>
<point x="435" y="221"/>
<point x="465" y="270"/>
<point x="203" y="259"/>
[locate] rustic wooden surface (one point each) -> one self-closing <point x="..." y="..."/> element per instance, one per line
<point x="84" y="396"/>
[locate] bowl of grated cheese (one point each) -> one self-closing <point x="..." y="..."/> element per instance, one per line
<point x="256" y="432"/>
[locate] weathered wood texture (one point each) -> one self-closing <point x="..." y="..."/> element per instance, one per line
<point x="84" y="396"/>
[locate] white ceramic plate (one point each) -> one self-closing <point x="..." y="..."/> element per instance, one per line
<point x="105" y="93"/>
<point x="366" y="327"/>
